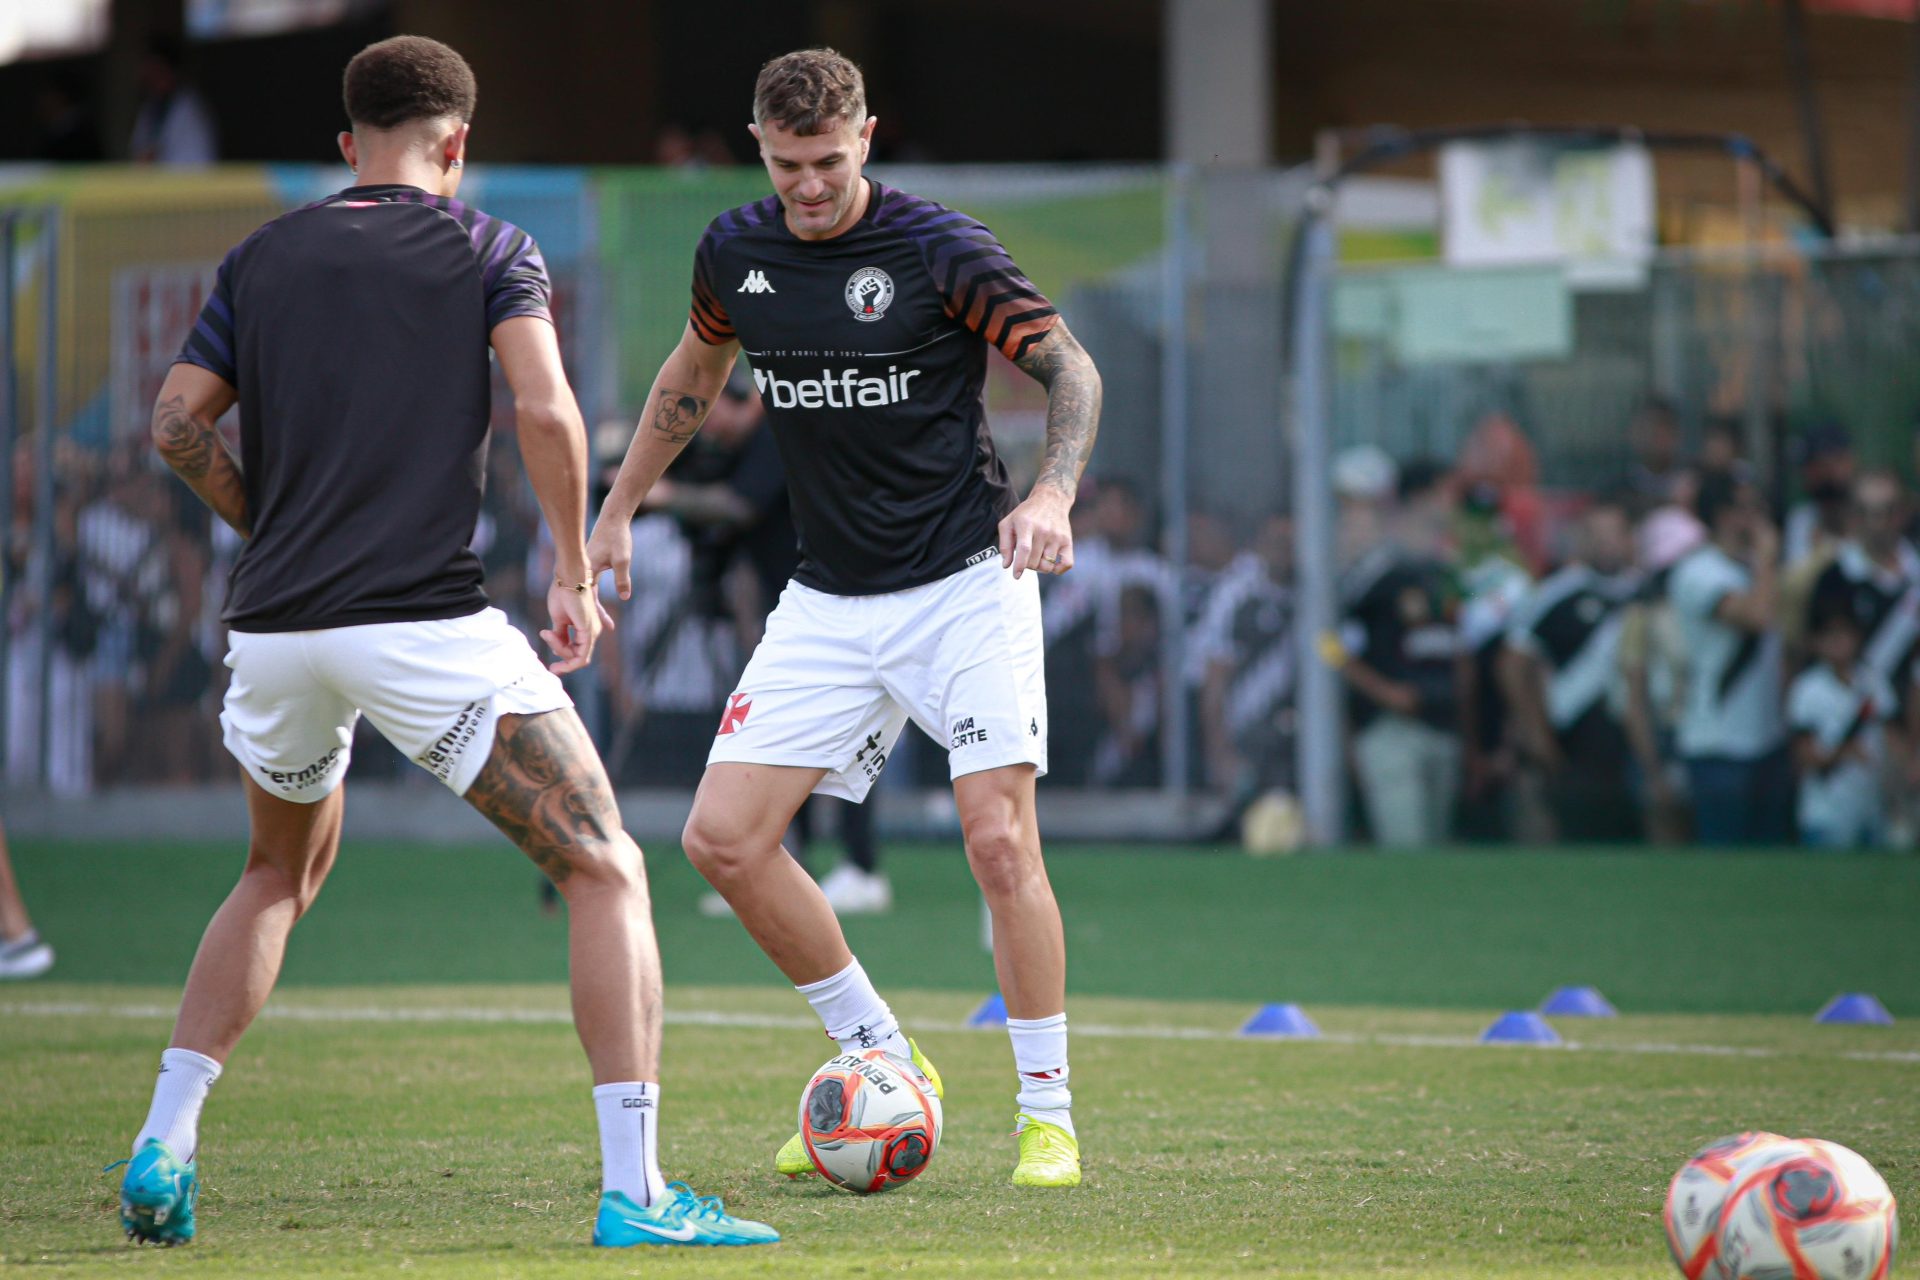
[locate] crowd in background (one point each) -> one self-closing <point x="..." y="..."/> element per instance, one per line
<point x="1660" y="658"/>
<point x="1656" y="657"/>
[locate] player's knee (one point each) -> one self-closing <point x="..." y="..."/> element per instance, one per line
<point x="1002" y="860"/>
<point x="719" y="850"/>
<point x="611" y="863"/>
<point x="280" y="884"/>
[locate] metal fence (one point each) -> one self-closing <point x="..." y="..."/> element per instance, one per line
<point x="115" y="574"/>
<point x="1170" y="665"/>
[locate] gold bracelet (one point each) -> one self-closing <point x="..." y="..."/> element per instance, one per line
<point x="584" y="588"/>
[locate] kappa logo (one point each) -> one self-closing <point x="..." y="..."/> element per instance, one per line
<point x="869" y="293"/>
<point x="756" y="282"/>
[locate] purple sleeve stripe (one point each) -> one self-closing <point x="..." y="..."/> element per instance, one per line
<point x="731" y="222"/>
<point x="218" y="301"/>
<point x="220" y="348"/>
<point x="493" y="253"/>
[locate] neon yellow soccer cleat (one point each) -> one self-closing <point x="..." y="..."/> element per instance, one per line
<point x="793" y="1160"/>
<point x="1049" y="1155"/>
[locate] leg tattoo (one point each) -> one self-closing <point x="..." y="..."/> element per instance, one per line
<point x="543" y="785"/>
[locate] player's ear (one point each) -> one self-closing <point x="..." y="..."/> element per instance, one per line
<point x="754" y="129"/>
<point x="349" y="150"/>
<point x="457" y="146"/>
<point x="866" y="135"/>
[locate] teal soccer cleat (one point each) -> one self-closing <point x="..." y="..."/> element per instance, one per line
<point x="679" y="1217"/>
<point x="156" y="1196"/>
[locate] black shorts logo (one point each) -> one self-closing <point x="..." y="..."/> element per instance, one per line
<point x="294" y="779"/>
<point x="440" y="758"/>
<point x="965" y="734"/>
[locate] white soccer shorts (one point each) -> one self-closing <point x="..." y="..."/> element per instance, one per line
<point x="433" y="689"/>
<point x="836" y="678"/>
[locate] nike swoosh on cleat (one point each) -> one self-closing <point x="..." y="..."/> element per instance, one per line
<point x="684" y="1232"/>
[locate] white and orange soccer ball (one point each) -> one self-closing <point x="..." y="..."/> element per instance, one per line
<point x="1697" y="1196"/>
<point x="1821" y="1214"/>
<point x="869" y="1122"/>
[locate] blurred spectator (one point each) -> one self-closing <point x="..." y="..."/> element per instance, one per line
<point x="1874" y="577"/>
<point x="1654" y="437"/>
<point x="1731" y="735"/>
<point x="174" y="672"/>
<point x="1653" y="673"/>
<point x="1082" y="618"/>
<point x="1818" y="522"/>
<point x="1722" y="453"/>
<point x="1842" y="713"/>
<point x="1562" y="665"/>
<point x="1497" y="458"/>
<point x="1494" y="582"/>
<point x="1127" y="678"/>
<point x="1245" y="642"/>
<point x="64" y="634"/>
<point x="172" y="124"/>
<point x="65" y="128"/>
<point x="1396" y="654"/>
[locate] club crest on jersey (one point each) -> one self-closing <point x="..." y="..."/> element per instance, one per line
<point x="869" y="293"/>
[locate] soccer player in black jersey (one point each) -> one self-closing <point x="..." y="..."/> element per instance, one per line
<point x="353" y="334"/>
<point x="867" y="314"/>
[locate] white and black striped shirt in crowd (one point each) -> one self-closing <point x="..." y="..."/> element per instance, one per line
<point x="1572" y="623"/>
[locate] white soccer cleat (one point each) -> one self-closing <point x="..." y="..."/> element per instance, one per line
<point x="26" y="957"/>
<point x="853" y="892"/>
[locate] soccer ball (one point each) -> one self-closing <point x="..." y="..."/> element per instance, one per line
<point x="1698" y="1194"/>
<point x="868" y="1122"/>
<point x="1822" y="1215"/>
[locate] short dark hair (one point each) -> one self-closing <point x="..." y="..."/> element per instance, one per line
<point x="408" y="78"/>
<point x="810" y="91"/>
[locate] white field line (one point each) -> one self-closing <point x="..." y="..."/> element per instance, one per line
<point x="769" y="1022"/>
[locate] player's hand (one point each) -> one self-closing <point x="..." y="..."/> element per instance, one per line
<point x="1037" y="535"/>
<point x="578" y="618"/>
<point x="611" y="547"/>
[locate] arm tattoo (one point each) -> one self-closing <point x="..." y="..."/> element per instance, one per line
<point x="678" y="414"/>
<point x="544" y="787"/>
<point x="199" y="455"/>
<point x="1061" y="365"/>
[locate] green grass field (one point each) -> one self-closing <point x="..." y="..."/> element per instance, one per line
<point x="415" y="1100"/>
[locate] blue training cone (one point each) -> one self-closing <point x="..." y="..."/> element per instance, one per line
<point x="1855" y="1008"/>
<point x="1578" y="1002"/>
<point x="1522" y="1026"/>
<point x="991" y="1013"/>
<point x="1287" y="1021"/>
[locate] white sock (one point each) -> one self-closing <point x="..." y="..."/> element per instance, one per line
<point x="1040" y="1056"/>
<point x="178" y="1094"/>
<point x="854" y="1014"/>
<point x="630" y="1140"/>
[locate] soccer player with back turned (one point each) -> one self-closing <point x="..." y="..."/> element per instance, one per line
<point x="867" y="314"/>
<point x="353" y="333"/>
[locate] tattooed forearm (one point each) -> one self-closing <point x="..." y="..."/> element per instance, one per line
<point x="199" y="455"/>
<point x="544" y="787"/>
<point x="677" y="415"/>
<point x="1063" y="367"/>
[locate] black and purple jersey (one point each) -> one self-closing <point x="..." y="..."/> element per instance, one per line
<point x="356" y="332"/>
<point x="870" y="351"/>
